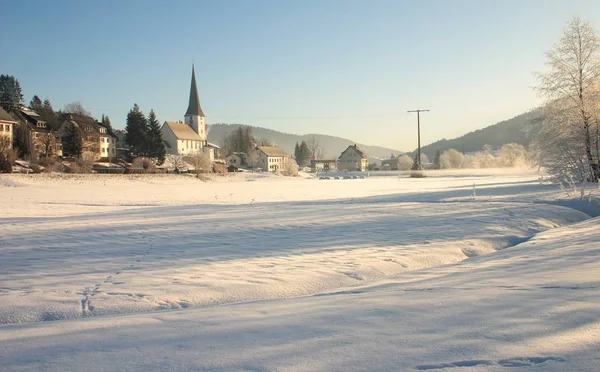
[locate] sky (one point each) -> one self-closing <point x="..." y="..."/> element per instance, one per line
<point x="346" y="68"/>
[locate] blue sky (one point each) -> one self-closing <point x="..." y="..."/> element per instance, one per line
<point x="340" y="67"/>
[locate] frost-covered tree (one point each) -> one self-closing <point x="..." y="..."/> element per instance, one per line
<point x="451" y="159"/>
<point x="511" y="155"/>
<point x="404" y="162"/>
<point x="571" y="87"/>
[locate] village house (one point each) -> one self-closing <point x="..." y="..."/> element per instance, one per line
<point x="96" y="137"/>
<point x="270" y="158"/>
<point x="238" y="159"/>
<point x="323" y="165"/>
<point x="190" y="136"/>
<point x="43" y="135"/>
<point x="392" y="163"/>
<point x="7" y="128"/>
<point x="353" y="159"/>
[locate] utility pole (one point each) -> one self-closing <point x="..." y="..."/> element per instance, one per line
<point x="418" y="135"/>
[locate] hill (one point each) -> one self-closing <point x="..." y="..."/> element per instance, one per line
<point x="517" y="130"/>
<point x="332" y="145"/>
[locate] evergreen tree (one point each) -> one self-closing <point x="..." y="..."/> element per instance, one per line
<point x="248" y="142"/>
<point x="297" y="152"/>
<point x="416" y="164"/>
<point x="136" y="129"/>
<point x="11" y="94"/>
<point x="36" y="103"/>
<point x="154" y="141"/>
<point x="73" y="141"/>
<point x="47" y="113"/>
<point x="304" y="155"/>
<point x="106" y="122"/>
<point x="436" y="160"/>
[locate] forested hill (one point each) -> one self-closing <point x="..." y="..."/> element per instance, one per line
<point x="519" y="129"/>
<point x="332" y="145"/>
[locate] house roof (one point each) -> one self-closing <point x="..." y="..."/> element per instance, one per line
<point x="31" y="119"/>
<point x="272" y="150"/>
<point x="354" y="147"/>
<point x="4" y="116"/>
<point x="84" y="121"/>
<point x="241" y="155"/>
<point x="194" y="105"/>
<point x="183" y="131"/>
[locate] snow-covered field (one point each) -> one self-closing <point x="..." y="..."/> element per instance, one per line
<point x="472" y="270"/>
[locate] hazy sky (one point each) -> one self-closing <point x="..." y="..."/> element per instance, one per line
<point x="346" y="68"/>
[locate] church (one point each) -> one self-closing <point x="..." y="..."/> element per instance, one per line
<point x="190" y="136"/>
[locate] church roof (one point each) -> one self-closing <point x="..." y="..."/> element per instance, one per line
<point x="183" y="131"/>
<point x="194" y="106"/>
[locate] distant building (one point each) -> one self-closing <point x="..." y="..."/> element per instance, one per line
<point x="97" y="139"/>
<point x="43" y="135"/>
<point x="190" y="136"/>
<point x="353" y="159"/>
<point x="323" y="165"/>
<point x="391" y="164"/>
<point x="271" y="158"/>
<point x="7" y="128"/>
<point x="238" y="159"/>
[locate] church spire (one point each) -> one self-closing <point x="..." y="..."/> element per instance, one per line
<point x="194" y="106"/>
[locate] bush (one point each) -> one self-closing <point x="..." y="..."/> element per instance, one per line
<point x="5" y="164"/>
<point x="289" y="168"/>
<point x="86" y="162"/>
<point x="417" y="174"/>
<point x="74" y="168"/>
<point x="145" y="164"/>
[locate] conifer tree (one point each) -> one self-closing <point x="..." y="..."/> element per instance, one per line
<point x="36" y="103"/>
<point x="304" y="154"/>
<point x="416" y="162"/>
<point x="248" y="142"/>
<point x="106" y="122"/>
<point x="47" y="113"/>
<point x="154" y="141"/>
<point x="297" y="152"/>
<point x="11" y="94"/>
<point x="73" y="141"/>
<point x="136" y="129"/>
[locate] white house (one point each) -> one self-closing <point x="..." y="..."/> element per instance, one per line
<point x="96" y="137"/>
<point x="7" y="124"/>
<point x="238" y="159"/>
<point x="353" y="159"/>
<point x="270" y="158"/>
<point x="190" y="136"/>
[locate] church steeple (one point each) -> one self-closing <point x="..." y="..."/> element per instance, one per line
<point x="194" y="108"/>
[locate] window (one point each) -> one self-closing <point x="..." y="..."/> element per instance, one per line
<point x="7" y="128"/>
<point x="103" y="150"/>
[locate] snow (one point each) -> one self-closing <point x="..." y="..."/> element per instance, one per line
<point x="262" y="272"/>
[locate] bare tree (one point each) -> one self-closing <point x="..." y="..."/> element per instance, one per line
<point x="76" y="108"/>
<point x="315" y="148"/>
<point x="176" y="162"/>
<point x="46" y="142"/>
<point x="253" y="158"/>
<point x="200" y="162"/>
<point x="571" y="88"/>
